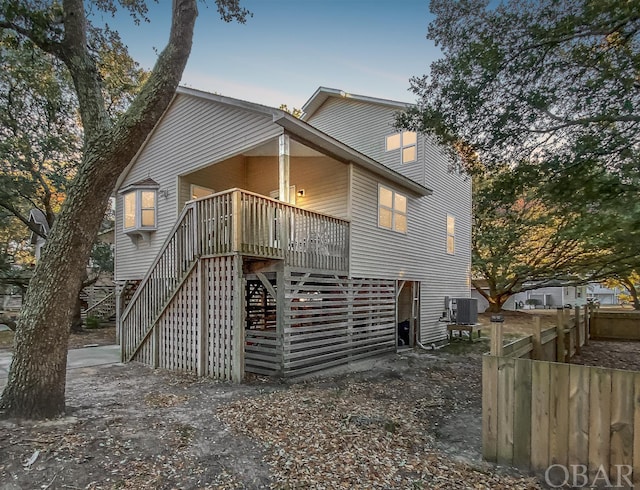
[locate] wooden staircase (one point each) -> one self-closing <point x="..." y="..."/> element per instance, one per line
<point x="104" y="310"/>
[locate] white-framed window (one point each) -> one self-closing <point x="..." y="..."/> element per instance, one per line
<point x="140" y="209"/>
<point x="451" y="234"/>
<point x="197" y="191"/>
<point x="392" y="209"/>
<point x="407" y="142"/>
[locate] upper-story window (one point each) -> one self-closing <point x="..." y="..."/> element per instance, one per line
<point x="451" y="234"/>
<point x="392" y="210"/>
<point x="406" y="141"/>
<point x="140" y="202"/>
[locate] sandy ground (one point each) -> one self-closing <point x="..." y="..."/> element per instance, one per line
<point x="409" y="420"/>
<point x="98" y="336"/>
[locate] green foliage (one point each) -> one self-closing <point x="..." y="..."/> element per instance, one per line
<point x="39" y="135"/>
<point x="92" y="322"/>
<point x="102" y="257"/>
<point x="554" y="82"/>
<point x="295" y="112"/>
<point x="520" y="241"/>
<point x="540" y="100"/>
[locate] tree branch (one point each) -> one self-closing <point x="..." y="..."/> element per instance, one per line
<point x="13" y="210"/>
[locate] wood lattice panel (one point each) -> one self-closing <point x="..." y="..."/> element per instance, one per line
<point x="331" y="320"/>
<point x="178" y="329"/>
<point x="222" y="299"/>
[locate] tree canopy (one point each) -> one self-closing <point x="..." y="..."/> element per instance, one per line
<point x="523" y="239"/>
<point x="540" y="101"/>
<point x="555" y="82"/>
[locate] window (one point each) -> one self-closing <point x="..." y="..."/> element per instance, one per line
<point x="140" y="209"/>
<point x="392" y="210"/>
<point x="406" y="142"/>
<point x="451" y="234"/>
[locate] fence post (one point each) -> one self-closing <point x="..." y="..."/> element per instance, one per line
<point x="538" y="355"/>
<point x="586" y="324"/>
<point x="560" y="335"/>
<point x="579" y="335"/>
<point x="496" y="335"/>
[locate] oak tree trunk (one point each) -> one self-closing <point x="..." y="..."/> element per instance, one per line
<point x="37" y="377"/>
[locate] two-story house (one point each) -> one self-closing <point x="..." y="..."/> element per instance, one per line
<point x="251" y="240"/>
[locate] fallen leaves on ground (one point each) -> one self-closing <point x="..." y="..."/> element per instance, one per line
<point x="355" y="436"/>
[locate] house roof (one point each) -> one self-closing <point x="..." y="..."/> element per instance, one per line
<point x="306" y="134"/>
<point x="37" y="217"/>
<point x="324" y="93"/>
<point x="147" y="183"/>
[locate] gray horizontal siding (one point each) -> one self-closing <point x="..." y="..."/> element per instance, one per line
<point x="192" y="134"/>
<point x="420" y="254"/>
<point x="364" y="127"/>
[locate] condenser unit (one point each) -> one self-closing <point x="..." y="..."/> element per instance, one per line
<point x="465" y="310"/>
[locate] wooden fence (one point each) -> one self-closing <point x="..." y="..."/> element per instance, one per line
<point x="612" y="325"/>
<point x="537" y="413"/>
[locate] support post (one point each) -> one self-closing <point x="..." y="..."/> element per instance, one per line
<point x="586" y="325"/>
<point x="283" y="168"/>
<point x="538" y="353"/>
<point x="283" y="344"/>
<point x="203" y="338"/>
<point x="560" y="356"/>
<point x="236" y="217"/>
<point x="497" y="322"/>
<point x="579" y="335"/>
<point x="237" y="373"/>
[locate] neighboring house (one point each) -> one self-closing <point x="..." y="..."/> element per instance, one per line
<point x="547" y="297"/>
<point x="602" y="294"/>
<point x="38" y="218"/>
<point x="259" y="242"/>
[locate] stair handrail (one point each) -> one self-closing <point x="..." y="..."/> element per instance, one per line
<point x="110" y="296"/>
<point x="189" y="205"/>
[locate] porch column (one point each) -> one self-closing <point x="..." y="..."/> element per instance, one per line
<point x="283" y="168"/>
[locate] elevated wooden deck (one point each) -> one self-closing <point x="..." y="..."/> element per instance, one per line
<point x="198" y="273"/>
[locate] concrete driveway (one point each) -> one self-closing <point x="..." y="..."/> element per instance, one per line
<point x="77" y="358"/>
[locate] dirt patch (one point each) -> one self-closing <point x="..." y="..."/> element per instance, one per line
<point x="610" y="354"/>
<point x="409" y="421"/>
<point x="77" y="340"/>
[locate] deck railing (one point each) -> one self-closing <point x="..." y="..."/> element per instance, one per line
<point x="239" y="221"/>
<point x="230" y="222"/>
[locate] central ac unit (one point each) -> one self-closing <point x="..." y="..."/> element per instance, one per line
<point x="465" y="311"/>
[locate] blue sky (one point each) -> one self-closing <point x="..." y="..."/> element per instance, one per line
<point x="291" y="47"/>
